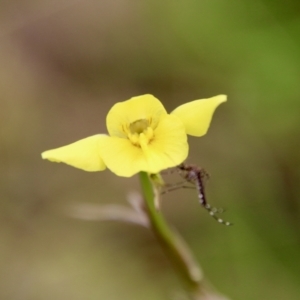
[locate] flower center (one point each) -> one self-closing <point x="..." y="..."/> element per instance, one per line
<point x="139" y="126"/>
<point x="140" y="133"/>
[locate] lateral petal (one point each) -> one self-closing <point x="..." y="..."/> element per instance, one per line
<point x="83" y="154"/>
<point x="196" y="115"/>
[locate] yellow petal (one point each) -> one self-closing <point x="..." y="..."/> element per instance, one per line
<point x="168" y="148"/>
<point x="122" y="157"/>
<point x="197" y="115"/>
<point x="83" y="154"/>
<point x="122" y="114"/>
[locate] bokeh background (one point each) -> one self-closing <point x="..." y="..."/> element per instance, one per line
<point x="63" y="64"/>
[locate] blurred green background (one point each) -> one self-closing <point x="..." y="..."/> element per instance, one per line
<point x="63" y="65"/>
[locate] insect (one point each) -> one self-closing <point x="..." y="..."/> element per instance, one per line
<point x="195" y="175"/>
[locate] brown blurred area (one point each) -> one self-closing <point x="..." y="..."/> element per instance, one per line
<point x="63" y="65"/>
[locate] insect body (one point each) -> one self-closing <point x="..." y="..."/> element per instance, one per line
<point x="195" y="175"/>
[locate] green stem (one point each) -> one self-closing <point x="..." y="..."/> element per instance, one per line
<point x="174" y="246"/>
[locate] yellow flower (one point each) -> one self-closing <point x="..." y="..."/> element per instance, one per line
<point x="142" y="137"/>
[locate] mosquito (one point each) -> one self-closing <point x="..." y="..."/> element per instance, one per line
<point x="195" y="175"/>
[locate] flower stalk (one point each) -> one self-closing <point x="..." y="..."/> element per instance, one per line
<point x="171" y="242"/>
<point x="174" y="246"/>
